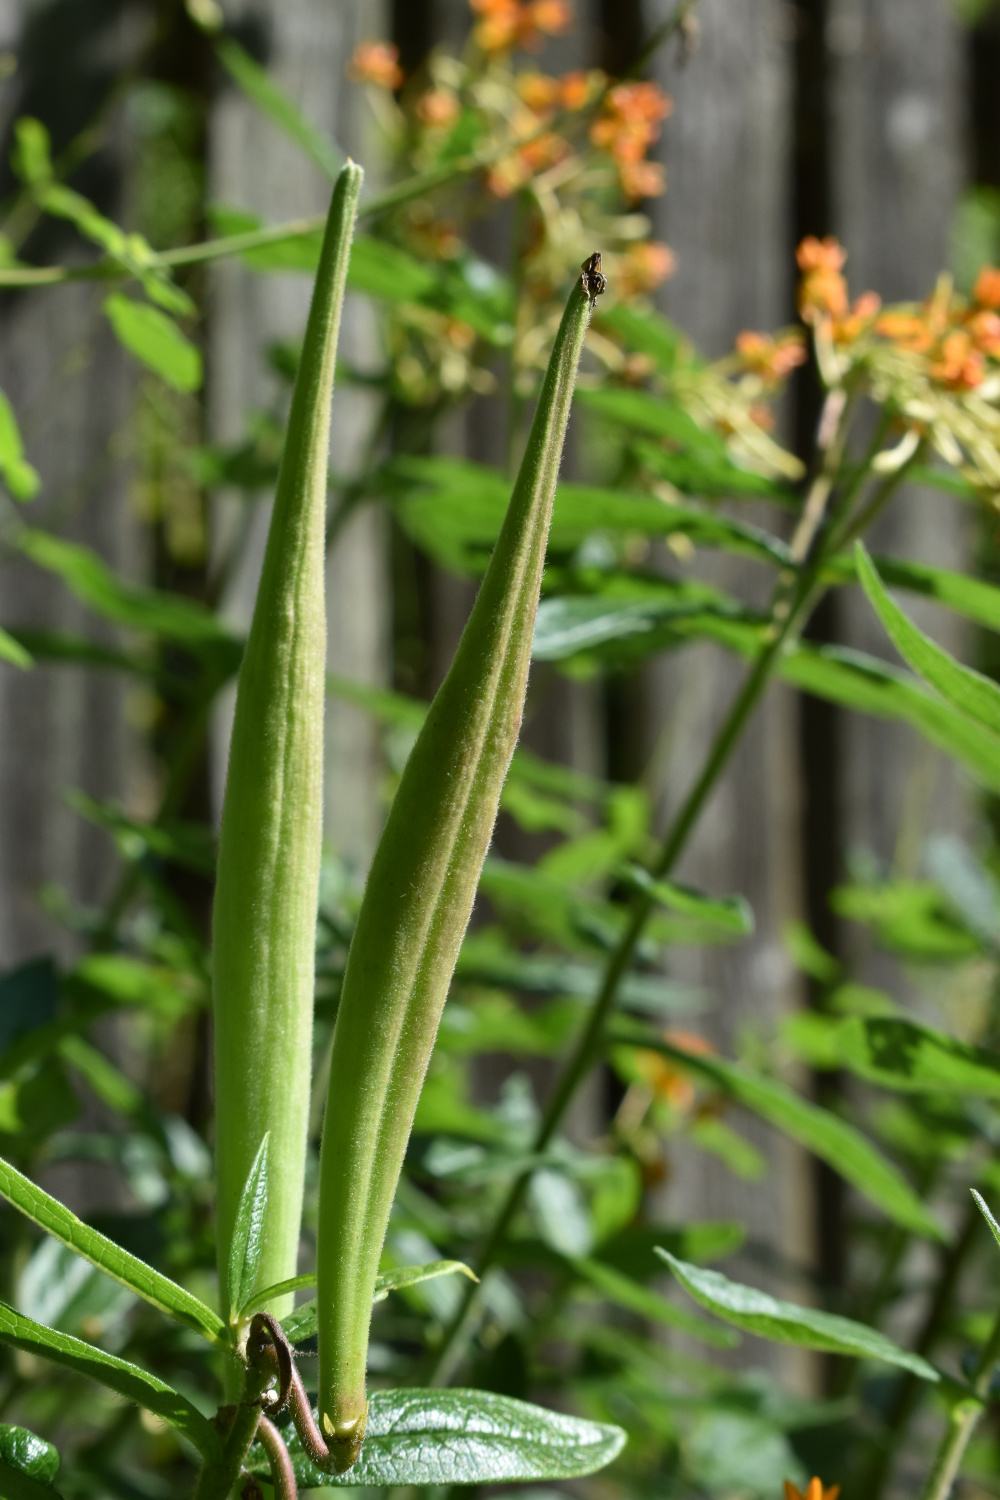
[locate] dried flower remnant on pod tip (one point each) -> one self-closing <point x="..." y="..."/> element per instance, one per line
<point x="592" y="279"/>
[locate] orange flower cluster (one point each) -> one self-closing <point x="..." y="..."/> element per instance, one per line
<point x="643" y="267"/>
<point x="543" y="93"/>
<point x="670" y="1083"/>
<point x="773" y="359"/>
<point x="627" y="126"/>
<point x="438" y="109"/>
<point x="510" y="173"/>
<point x="956" y="340"/>
<point x="518" y="23"/>
<point x="378" y="63"/>
<point x="822" y="290"/>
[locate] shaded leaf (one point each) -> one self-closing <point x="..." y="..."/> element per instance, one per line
<point x="462" y="1437"/>
<point x="52" y="1216"/>
<point x="117" y="1374"/>
<point x="733" y="914"/>
<point x="15" y="1484"/>
<point x="787" y="1323"/>
<point x="13" y="652"/>
<point x="301" y="1324"/>
<point x="625" y="1292"/>
<point x="901" y="1054"/>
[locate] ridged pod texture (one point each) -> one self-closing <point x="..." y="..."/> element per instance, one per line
<point x="417" y="905"/>
<point x="264" y="919"/>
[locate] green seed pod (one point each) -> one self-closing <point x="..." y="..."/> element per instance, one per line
<point x="418" y="900"/>
<point x="264" y="920"/>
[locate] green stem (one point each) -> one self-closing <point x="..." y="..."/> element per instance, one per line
<point x="217" y="1479"/>
<point x="963" y="1421"/>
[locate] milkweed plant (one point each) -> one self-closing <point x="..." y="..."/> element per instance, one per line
<point x="347" y="1015"/>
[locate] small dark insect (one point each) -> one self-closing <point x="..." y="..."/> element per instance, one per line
<point x="591" y="278"/>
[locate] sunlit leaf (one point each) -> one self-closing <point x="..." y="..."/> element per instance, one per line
<point x="449" y="1437"/>
<point x="260" y="87"/>
<point x="20" y="478"/>
<point x="787" y="1323"/>
<point x="248" y="1230"/>
<point x="52" y="1216"/>
<point x="13" y="652"/>
<point x="155" y="340"/>
<point x="301" y="1324"/>
<point x="117" y="1374"/>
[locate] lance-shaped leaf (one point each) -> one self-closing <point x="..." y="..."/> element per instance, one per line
<point x="992" y="1224"/>
<point x="787" y="1323"/>
<point x="13" y="652"/>
<point x="117" y="1374"/>
<point x="28" y="1465"/>
<point x="18" y="475"/>
<point x="833" y="1140"/>
<point x="301" y="1324"/>
<point x="970" y="691"/>
<point x="463" y="1437"/>
<point x="266" y="895"/>
<point x="248" y="1231"/>
<point x="52" y="1216"/>
<point x="417" y="904"/>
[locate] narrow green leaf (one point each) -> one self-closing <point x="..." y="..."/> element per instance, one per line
<point x="12" y="651"/>
<point x="156" y="341"/>
<point x="117" y="1374"/>
<point x="91" y="581"/>
<point x="15" y="1484"/>
<point x="971" y="597"/>
<point x="900" y="1054"/>
<point x="833" y="1140"/>
<point x="248" y="1229"/>
<point x="261" y="89"/>
<point x="970" y="691"/>
<point x="56" y="1219"/>
<point x="20" y="478"/>
<point x="32" y="155"/>
<point x="301" y="1324"/>
<point x="787" y="1323"/>
<point x="630" y="1294"/>
<point x="733" y="914"/>
<point x="435" y="1437"/>
<point x="28" y="1454"/>
<point x="994" y="1227"/>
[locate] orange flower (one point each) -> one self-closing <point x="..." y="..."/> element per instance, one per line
<point x="642" y="179"/>
<point x="507" y="176"/>
<point x="958" y="364"/>
<point x="577" y="89"/>
<point x="668" y="1081"/>
<point x="643" y="267"/>
<point x="820" y="255"/>
<point x="907" y="330"/>
<point x="987" y="288"/>
<point x="539" y="91"/>
<point x="509" y="23"/>
<point x="813" y="1491"/>
<point x="863" y="310"/>
<point x="438" y="109"/>
<point x="772" y="358"/>
<point x="984" y="330"/>
<point x="378" y="63"/>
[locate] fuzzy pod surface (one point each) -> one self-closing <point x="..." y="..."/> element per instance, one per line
<point x="417" y="904"/>
<point x="264" y="917"/>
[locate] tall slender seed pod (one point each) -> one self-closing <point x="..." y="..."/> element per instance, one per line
<point x="264" y="921"/>
<point x="418" y="900"/>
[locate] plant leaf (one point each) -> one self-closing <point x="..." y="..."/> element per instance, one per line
<point x="833" y="1140"/>
<point x="16" y="1484"/>
<point x="787" y="1323"/>
<point x="117" y="1374"/>
<point x="248" y="1230"/>
<point x="970" y="691"/>
<point x="56" y="1219"/>
<point x="19" y="477"/>
<point x="12" y="651"/>
<point x="901" y="1054"/>
<point x="462" y="1437"/>
<point x="733" y="914"/>
<point x="630" y="1294"/>
<point x="302" y="1322"/>
<point x="994" y="1227"/>
<point x="28" y="1454"/>
<point x="260" y="87"/>
<point x="155" y="340"/>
